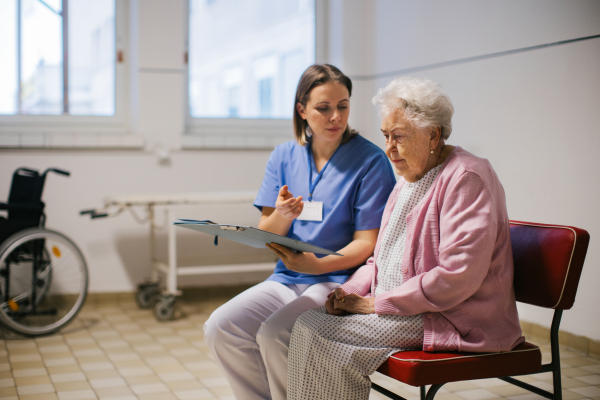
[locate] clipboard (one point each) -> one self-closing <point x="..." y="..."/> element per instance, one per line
<point x="250" y="236"/>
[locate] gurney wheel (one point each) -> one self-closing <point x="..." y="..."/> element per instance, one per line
<point x="165" y="308"/>
<point x="146" y="295"/>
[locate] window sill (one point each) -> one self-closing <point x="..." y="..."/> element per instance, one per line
<point x="55" y="140"/>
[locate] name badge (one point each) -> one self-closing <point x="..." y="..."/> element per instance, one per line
<point x="313" y="211"/>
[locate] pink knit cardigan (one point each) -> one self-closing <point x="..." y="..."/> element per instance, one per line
<point x="457" y="264"/>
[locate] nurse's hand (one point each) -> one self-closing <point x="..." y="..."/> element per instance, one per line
<point x="287" y="205"/>
<point x="306" y="263"/>
<point x="355" y="304"/>
<point x="336" y="295"/>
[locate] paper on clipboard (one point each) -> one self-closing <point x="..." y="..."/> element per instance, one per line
<point x="250" y="236"/>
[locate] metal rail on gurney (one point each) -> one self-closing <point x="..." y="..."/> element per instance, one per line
<point x="148" y="293"/>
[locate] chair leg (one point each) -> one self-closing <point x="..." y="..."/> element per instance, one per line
<point x="433" y="389"/>
<point x="423" y="392"/>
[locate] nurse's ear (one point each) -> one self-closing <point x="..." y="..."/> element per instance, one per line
<point x="301" y="110"/>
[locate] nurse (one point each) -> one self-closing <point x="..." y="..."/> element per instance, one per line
<point x="328" y="188"/>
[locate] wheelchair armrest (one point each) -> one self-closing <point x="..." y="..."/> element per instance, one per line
<point x="20" y="207"/>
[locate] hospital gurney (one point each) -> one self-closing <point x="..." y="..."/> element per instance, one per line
<point x="149" y="293"/>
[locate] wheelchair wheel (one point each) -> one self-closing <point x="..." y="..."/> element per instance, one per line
<point x="43" y="281"/>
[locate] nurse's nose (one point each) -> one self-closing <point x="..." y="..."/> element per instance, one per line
<point x="336" y="115"/>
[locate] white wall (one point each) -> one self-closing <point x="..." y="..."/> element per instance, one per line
<point x="533" y="115"/>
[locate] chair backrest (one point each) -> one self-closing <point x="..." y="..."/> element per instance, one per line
<point x="548" y="261"/>
<point x="26" y="189"/>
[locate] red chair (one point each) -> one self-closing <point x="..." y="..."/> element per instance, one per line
<point x="548" y="262"/>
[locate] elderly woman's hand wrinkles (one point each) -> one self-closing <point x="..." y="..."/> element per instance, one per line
<point x="338" y="293"/>
<point x="355" y="304"/>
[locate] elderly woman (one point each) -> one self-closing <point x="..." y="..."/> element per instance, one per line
<point x="441" y="275"/>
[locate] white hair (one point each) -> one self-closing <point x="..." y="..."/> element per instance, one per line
<point x="423" y="102"/>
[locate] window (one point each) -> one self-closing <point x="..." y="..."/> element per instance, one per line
<point x="59" y="58"/>
<point x="59" y="70"/>
<point x="245" y="60"/>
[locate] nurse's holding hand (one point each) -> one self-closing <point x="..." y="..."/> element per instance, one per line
<point x="328" y="188"/>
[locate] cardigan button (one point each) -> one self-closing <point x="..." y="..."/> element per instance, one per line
<point x="429" y="316"/>
<point x="404" y="270"/>
<point x="430" y="348"/>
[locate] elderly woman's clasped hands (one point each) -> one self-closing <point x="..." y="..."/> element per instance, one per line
<point x="339" y="303"/>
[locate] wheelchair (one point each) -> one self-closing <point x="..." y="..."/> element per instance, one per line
<point x="43" y="275"/>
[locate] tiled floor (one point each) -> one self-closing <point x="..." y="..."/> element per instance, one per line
<point x="117" y="351"/>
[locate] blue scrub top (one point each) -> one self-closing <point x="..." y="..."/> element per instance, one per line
<point x="354" y="190"/>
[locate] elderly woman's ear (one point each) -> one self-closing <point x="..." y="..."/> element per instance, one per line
<point x="436" y="136"/>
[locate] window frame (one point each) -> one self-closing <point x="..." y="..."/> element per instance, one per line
<point x="76" y="131"/>
<point x="244" y="133"/>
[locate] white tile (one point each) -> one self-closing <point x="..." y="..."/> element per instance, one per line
<point x="147" y="348"/>
<point x="124" y="356"/>
<point x="478" y="394"/>
<point x="77" y="395"/>
<point x="486" y="383"/>
<point x="176" y="376"/>
<point x="54" y="349"/>
<point x="119" y="398"/>
<point x="88" y="353"/>
<point x="35" y="389"/>
<point x="215" y="382"/>
<point x="193" y="394"/>
<point x="162" y="360"/>
<point x="135" y="371"/>
<point x="149" y="388"/>
<point x="8" y="382"/>
<point x="71" y="377"/>
<point x="107" y="383"/>
<point x="202" y="365"/>
<point x="101" y="366"/>
<point x="590" y="380"/>
<point x="188" y="351"/>
<point x="588" y="391"/>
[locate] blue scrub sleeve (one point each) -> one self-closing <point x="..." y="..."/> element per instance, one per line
<point x="269" y="190"/>
<point x="372" y="195"/>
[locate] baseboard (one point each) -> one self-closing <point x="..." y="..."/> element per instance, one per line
<point x="578" y="343"/>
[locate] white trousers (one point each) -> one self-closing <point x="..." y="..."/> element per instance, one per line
<point x="250" y="335"/>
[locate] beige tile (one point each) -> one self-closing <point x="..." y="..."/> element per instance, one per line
<point x="45" y="396"/>
<point x="574" y="372"/>
<point x="150" y="388"/>
<point x="507" y="391"/>
<point x="222" y="391"/>
<point x="184" y="385"/>
<point x="21" y="373"/>
<point x="108" y="382"/>
<point x="67" y="369"/>
<point x="72" y="386"/>
<point x="68" y="377"/>
<point x="8" y="391"/>
<point x="57" y="354"/>
<point x="113" y="392"/>
<point x="207" y="373"/>
<point x="142" y="380"/>
<point x="160" y="396"/>
<point x="102" y="374"/>
<point x="77" y="395"/>
<point x="32" y="380"/>
<point x="7" y="382"/>
<point x="35" y="389"/>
